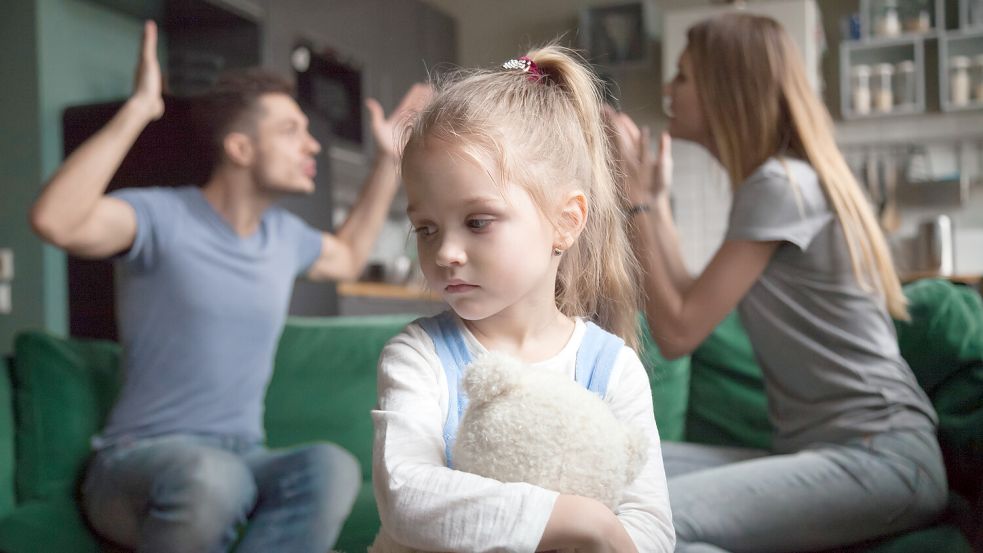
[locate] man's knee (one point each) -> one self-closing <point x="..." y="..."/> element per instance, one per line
<point x="214" y="488"/>
<point x="334" y="473"/>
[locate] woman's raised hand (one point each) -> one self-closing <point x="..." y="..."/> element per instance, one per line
<point x="647" y="177"/>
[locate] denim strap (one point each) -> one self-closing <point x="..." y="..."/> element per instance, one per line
<point x="455" y="358"/>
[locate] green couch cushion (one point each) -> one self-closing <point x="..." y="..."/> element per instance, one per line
<point x="324" y="382"/>
<point x="727" y="405"/>
<point x="943" y="343"/>
<point x="6" y="441"/>
<point x="670" y="386"/>
<point x="362" y="525"/>
<point x="63" y="392"/>
<point x="50" y="525"/>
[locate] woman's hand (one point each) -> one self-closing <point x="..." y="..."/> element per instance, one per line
<point x="386" y="130"/>
<point x="147" y="82"/>
<point x="646" y="177"/>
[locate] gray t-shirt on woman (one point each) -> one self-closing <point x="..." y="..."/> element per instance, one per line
<point x="827" y="348"/>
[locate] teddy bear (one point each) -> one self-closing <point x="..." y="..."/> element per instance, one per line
<point x="541" y="428"/>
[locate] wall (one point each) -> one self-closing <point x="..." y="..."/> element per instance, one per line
<point x="73" y="52"/>
<point x="20" y="165"/>
<point x="396" y="43"/>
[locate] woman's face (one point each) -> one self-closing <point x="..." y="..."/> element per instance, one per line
<point x="686" y="118"/>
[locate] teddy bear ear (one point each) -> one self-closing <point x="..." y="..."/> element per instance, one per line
<point x="491" y="376"/>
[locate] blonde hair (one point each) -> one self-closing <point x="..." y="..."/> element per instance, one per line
<point x="546" y="133"/>
<point x="758" y="103"/>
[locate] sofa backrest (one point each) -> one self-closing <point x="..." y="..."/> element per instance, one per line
<point x="6" y="441"/>
<point x="63" y="390"/>
<point x="324" y="382"/>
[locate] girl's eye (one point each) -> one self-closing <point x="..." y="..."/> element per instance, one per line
<point x="478" y="224"/>
<point x="425" y="230"/>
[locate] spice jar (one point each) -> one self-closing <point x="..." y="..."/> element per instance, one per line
<point x="978" y="78"/>
<point x="904" y="84"/>
<point x="887" y="22"/>
<point x="959" y="81"/>
<point x="882" y="87"/>
<point x="860" y="89"/>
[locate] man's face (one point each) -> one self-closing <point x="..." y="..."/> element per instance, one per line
<point x="285" y="150"/>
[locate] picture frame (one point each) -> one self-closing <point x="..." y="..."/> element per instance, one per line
<point x="615" y="36"/>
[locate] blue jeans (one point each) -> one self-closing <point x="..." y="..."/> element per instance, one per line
<point x="730" y="499"/>
<point x="192" y="493"/>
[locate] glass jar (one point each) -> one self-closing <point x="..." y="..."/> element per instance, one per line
<point x="904" y="84"/>
<point x="959" y="83"/>
<point x="976" y="12"/>
<point x="916" y="16"/>
<point x="860" y="89"/>
<point x="887" y="22"/>
<point x="882" y="87"/>
<point x="977" y="78"/>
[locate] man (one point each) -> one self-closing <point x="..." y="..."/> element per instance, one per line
<point x="204" y="280"/>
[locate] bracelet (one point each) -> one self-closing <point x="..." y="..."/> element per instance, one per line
<point x="639" y="208"/>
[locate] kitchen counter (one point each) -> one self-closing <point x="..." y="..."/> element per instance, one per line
<point x="378" y="298"/>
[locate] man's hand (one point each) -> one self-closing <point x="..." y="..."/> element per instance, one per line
<point x="388" y="131"/>
<point x="147" y="82"/>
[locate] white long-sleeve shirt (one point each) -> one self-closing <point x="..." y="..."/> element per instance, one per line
<point x="425" y="505"/>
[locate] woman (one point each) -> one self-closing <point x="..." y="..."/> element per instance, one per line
<point x="854" y="453"/>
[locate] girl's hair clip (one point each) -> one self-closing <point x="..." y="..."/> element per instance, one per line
<point x="525" y="65"/>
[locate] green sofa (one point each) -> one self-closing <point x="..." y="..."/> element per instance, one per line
<point x="56" y="393"/>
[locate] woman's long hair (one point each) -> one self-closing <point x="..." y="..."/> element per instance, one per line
<point x="758" y="103"/>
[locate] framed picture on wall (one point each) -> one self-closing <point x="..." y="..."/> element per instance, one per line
<point x="615" y="35"/>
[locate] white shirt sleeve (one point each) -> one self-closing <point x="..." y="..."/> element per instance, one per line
<point x="422" y="503"/>
<point x="644" y="510"/>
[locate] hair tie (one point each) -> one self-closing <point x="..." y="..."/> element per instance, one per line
<point x="525" y="65"/>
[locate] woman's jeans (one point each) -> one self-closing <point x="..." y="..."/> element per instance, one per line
<point x="193" y="493"/>
<point x="730" y="499"/>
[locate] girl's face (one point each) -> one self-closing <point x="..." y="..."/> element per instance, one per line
<point x="686" y="120"/>
<point x="485" y="249"/>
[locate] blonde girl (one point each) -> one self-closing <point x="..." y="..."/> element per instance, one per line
<point x="519" y="227"/>
<point x="854" y="452"/>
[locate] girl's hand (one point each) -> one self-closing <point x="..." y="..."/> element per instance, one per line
<point x="646" y="177"/>
<point x="585" y="525"/>
<point x="147" y="82"/>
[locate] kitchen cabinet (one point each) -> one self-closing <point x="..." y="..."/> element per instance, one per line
<point x="940" y="40"/>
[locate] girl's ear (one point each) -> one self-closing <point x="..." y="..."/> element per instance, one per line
<point x="572" y="219"/>
<point x="239" y="148"/>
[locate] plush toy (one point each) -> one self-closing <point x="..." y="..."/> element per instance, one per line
<point x="542" y="428"/>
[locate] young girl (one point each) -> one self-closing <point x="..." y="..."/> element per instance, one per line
<point x="519" y="227"/>
<point x="855" y="453"/>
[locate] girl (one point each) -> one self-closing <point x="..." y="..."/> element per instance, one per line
<point x="509" y="182"/>
<point x="855" y="454"/>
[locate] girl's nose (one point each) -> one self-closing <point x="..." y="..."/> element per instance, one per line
<point x="450" y="253"/>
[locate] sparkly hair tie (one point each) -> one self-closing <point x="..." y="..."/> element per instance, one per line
<point x="525" y="65"/>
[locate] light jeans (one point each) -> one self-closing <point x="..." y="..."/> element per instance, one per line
<point x="192" y="493"/>
<point x="747" y="500"/>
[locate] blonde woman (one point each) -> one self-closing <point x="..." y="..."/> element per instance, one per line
<point x="854" y="453"/>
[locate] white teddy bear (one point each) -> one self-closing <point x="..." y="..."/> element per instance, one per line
<point x="542" y="428"/>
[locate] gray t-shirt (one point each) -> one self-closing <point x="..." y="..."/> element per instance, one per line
<point x="827" y="348"/>
<point x="200" y="310"/>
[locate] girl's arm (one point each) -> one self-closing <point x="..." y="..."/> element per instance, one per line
<point x="422" y="503"/>
<point x="644" y="510"/>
